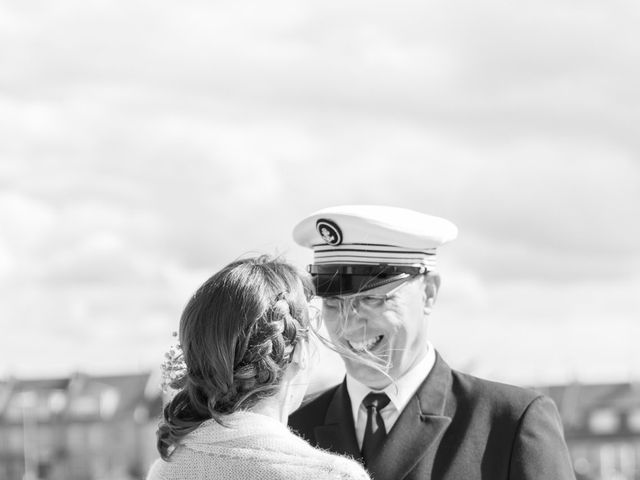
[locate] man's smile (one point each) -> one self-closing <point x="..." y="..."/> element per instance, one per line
<point x="365" y="345"/>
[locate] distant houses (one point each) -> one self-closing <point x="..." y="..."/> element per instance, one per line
<point x="103" y="427"/>
<point x="602" y="428"/>
<point x="80" y="427"/>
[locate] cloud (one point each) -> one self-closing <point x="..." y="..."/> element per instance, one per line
<point x="562" y="204"/>
<point x="532" y="332"/>
<point x="26" y="223"/>
<point x="146" y="147"/>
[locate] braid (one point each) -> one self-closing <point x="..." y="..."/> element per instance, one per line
<point x="267" y="352"/>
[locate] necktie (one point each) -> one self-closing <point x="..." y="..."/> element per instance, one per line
<point x="374" y="433"/>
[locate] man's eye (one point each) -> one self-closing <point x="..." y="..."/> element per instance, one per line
<point x="331" y="302"/>
<point x="371" y="300"/>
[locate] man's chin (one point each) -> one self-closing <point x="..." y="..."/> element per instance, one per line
<point x="369" y="376"/>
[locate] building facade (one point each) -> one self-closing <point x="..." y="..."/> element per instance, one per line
<point x="81" y="427"/>
<point x="103" y="427"/>
<point x="602" y="428"/>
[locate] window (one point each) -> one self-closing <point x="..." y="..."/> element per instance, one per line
<point x="85" y="405"/>
<point x="604" y="421"/>
<point x="633" y="420"/>
<point x="57" y="401"/>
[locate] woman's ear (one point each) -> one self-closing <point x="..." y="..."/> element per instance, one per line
<point x="431" y="287"/>
<point x="300" y="355"/>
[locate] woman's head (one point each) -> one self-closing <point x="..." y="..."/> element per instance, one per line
<point x="237" y="333"/>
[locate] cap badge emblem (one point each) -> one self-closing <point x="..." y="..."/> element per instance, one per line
<point x="329" y="231"/>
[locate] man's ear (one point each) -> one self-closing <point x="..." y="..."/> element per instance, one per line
<point x="431" y="287"/>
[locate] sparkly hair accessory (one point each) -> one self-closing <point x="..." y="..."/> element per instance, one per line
<point x="173" y="368"/>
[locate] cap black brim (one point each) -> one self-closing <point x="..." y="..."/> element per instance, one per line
<point x="330" y="280"/>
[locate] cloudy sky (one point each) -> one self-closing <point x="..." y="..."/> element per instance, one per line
<point x="146" y="144"/>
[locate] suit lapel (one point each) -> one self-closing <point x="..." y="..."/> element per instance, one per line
<point x="417" y="432"/>
<point x="338" y="433"/>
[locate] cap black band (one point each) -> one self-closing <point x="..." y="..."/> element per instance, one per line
<point x="369" y="270"/>
<point x="336" y="279"/>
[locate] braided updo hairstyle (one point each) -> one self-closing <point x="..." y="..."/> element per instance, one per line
<point x="237" y="334"/>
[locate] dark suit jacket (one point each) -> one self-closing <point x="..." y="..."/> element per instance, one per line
<point x="456" y="427"/>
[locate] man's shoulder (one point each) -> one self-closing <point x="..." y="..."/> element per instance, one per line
<point x="491" y="394"/>
<point x="465" y="385"/>
<point x="318" y="400"/>
<point x="312" y="411"/>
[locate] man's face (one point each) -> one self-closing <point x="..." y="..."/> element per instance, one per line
<point x="391" y="332"/>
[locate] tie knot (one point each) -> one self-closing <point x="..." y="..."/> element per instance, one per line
<point x="376" y="400"/>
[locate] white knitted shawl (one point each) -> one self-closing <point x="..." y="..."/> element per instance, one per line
<point x="251" y="446"/>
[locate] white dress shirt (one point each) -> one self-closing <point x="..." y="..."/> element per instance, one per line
<point x="399" y="392"/>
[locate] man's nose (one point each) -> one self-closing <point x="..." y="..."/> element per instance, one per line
<point x="353" y="316"/>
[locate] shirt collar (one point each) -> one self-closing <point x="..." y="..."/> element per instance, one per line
<point x="400" y="391"/>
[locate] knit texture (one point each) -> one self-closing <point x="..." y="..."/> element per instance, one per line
<point x="251" y="446"/>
